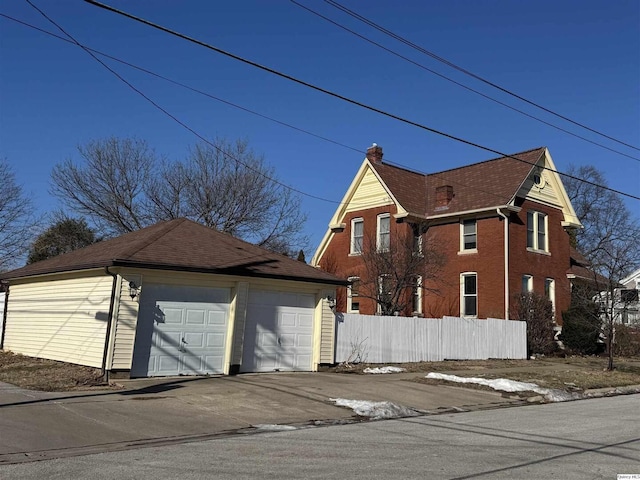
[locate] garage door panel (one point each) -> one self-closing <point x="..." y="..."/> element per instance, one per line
<point x="282" y="322"/>
<point x="217" y="318"/>
<point x="186" y="331"/>
<point x="195" y="317"/>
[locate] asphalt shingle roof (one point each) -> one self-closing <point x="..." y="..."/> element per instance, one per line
<point x="480" y="185"/>
<point x="180" y="244"/>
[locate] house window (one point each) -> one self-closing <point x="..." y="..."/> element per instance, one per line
<point x="468" y="236"/>
<point x="353" y="302"/>
<point x="384" y="225"/>
<point x="527" y="284"/>
<point x="537" y="224"/>
<point x="468" y="295"/>
<point x="550" y="292"/>
<point x="384" y="291"/>
<point x="417" y="244"/>
<point x="357" y="236"/>
<point x="417" y="296"/>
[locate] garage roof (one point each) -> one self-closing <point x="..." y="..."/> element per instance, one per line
<point x="183" y="245"/>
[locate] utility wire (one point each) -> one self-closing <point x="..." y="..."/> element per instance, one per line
<point x="213" y="97"/>
<point x="338" y="96"/>
<point x="477" y="92"/>
<point x="467" y="72"/>
<point x="176" y="119"/>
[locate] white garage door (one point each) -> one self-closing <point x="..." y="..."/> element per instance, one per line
<point x="180" y="331"/>
<point x="278" y="332"/>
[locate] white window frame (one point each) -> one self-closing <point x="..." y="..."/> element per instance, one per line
<point x="351" y="294"/>
<point x="353" y="250"/>
<point x="527" y="283"/>
<point x="550" y="292"/>
<point x="537" y="219"/>
<point x="462" y="236"/>
<point x="380" y="285"/>
<point x="416" y="296"/>
<point x="464" y="295"/>
<point x="379" y="233"/>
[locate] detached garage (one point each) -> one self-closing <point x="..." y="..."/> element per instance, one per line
<point x="176" y="298"/>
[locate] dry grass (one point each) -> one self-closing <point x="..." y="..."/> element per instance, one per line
<point x="47" y="375"/>
<point x="572" y="373"/>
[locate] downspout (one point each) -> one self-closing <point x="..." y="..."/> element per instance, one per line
<point x="4" y="315"/>
<point x="506" y="263"/>
<point x="105" y="374"/>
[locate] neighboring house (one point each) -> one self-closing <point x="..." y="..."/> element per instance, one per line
<point x="171" y="299"/>
<point x="628" y="299"/>
<point x="501" y="226"/>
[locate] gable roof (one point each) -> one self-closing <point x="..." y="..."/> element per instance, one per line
<point x="481" y="185"/>
<point x="184" y="245"/>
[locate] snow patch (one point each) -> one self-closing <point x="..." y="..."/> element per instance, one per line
<point x="506" y="385"/>
<point x="384" y="370"/>
<point x="274" y="428"/>
<point x="376" y="410"/>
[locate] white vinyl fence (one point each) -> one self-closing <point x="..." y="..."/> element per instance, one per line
<point x="378" y="339"/>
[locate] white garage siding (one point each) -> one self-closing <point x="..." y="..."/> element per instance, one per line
<point x="124" y="330"/>
<point x="327" y="331"/>
<point x="61" y="319"/>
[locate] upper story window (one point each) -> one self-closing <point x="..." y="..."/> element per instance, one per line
<point x="527" y="284"/>
<point x="357" y="236"/>
<point x="353" y="302"/>
<point x="468" y="236"/>
<point x="468" y="295"/>
<point x="537" y="226"/>
<point x="384" y="232"/>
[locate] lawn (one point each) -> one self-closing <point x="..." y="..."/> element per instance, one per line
<point x="571" y="373"/>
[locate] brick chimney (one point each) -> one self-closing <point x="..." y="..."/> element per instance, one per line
<point x="374" y="153"/>
<point x="444" y="194"/>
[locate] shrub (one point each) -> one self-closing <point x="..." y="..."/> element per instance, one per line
<point x="581" y="328"/>
<point x="627" y="341"/>
<point x="537" y="311"/>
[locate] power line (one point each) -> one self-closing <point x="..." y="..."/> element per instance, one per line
<point x="467" y="72"/>
<point x="338" y="96"/>
<point x="213" y="97"/>
<point x="444" y="77"/>
<point x="176" y="119"/>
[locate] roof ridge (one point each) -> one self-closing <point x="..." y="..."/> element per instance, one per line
<point x="168" y="227"/>
<point x="487" y="161"/>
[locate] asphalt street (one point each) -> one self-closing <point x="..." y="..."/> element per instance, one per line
<point x="588" y="439"/>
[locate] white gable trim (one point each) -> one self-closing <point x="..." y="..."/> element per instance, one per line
<point x="338" y="217"/>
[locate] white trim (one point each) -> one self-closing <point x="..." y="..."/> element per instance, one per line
<point x="379" y="247"/>
<point x="417" y="292"/>
<point x="352" y="237"/>
<point x="511" y="208"/>
<point x="550" y="283"/>
<point x="535" y="246"/>
<point x="350" y="296"/>
<point x="462" y="235"/>
<point x="464" y="295"/>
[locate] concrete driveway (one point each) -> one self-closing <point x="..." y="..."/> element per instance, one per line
<point x="38" y="425"/>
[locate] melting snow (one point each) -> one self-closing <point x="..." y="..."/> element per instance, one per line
<point x="376" y="410"/>
<point x="384" y="370"/>
<point x="274" y="428"/>
<point x="506" y="385"/>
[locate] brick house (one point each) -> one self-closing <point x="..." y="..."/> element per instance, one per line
<point x="500" y="226"/>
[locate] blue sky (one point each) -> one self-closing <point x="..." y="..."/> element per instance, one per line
<point x="579" y="58"/>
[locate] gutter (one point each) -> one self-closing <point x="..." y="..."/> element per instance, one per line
<point x="506" y="263"/>
<point x="112" y="302"/>
<point x="4" y="316"/>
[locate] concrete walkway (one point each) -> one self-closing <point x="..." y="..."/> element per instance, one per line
<point x="38" y="425"/>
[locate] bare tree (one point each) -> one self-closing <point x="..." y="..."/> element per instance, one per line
<point x="16" y="219"/>
<point x="609" y="241"/>
<point x="392" y="274"/>
<point x="122" y="187"/>
<point x="109" y="186"/>
<point x="537" y="311"/>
